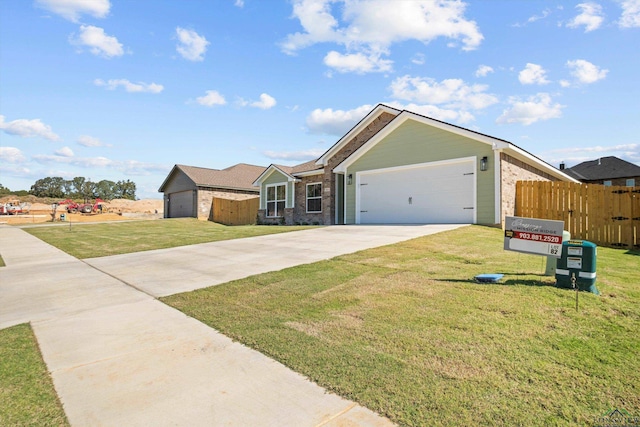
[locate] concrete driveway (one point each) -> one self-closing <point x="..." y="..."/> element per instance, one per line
<point x="170" y="271"/>
<point x="118" y="356"/>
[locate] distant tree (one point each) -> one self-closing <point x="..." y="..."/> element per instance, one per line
<point x="106" y="189"/>
<point x="88" y="190"/>
<point x="125" y="190"/>
<point x="4" y="190"/>
<point x="77" y="183"/>
<point x="48" y="187"/>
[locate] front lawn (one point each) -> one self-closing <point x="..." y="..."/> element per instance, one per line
<point x="27" y="396"/>
<point x="97" y="240"/>
<point x="404" y="331"/>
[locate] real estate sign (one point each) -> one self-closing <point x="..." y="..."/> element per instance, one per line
<point x="533" y="236"/>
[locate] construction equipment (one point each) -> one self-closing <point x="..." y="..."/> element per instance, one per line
<point x="86" y="208"/>
<point x="14" y="207"/>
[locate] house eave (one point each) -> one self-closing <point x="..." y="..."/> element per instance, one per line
<point x="268" y="171"/>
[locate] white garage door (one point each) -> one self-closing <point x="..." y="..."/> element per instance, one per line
<point x="437" y="193"/>
<point x="181" y="204"/>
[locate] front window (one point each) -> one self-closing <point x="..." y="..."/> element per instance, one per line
<point x="276" y="196"/>
<point x="314" y="197"/>
<point x="607" y="183"/>
<point x="631" y="182"/>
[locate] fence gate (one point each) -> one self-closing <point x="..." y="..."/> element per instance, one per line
<point x="607" y="216"/>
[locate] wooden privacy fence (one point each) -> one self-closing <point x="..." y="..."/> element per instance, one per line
<point x="606" y="216"/>
<point x="235" y="212"/>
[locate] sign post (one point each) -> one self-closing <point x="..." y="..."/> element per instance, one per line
<point x="533" y="236"/>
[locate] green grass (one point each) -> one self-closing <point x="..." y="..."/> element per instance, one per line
<point x="404" y="331"/>
<point x="97" y="240"/>
<point x="27" y="396"/>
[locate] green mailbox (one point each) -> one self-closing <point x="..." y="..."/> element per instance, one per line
<point x="578" y="260"/>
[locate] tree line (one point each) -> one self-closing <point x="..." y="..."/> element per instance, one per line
<point x="82" y="188"/>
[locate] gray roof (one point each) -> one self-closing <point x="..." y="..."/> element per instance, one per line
<point x="604" y="168"/>
<point x="301" y="168"/>
<point x="237" y="177"/>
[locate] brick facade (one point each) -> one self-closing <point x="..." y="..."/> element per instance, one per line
<point x="300" y="215"/>
<point x="513" y="170"/>
<point x="329" y="179"/>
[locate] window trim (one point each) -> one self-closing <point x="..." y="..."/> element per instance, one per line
<point x="631" y="182"/>
<point x="307" y="198"/>
<point x="276" y="200"/>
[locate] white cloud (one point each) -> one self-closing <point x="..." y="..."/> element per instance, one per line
<point x="591" y="17"/>
<point x="451" y="93"/>
<point x="357" y="62"/>
<point x="573" y="155"/>
<point x="368" y="28"/>
<point x="533" y="74"/>
<point x="130" y="87"/>
<point x="434" y="112"/>
<point x="11" y="155"/>
<point x="98" y="42"/>
<point x="266" y="102"/>
<point x="28" y="128"/>
<point x="191" y="45"/>
<point x="418" y="59"/>
<point x="89" y="141"/>
<point x="239" y="3"/>
<point x="483" y="71"/>
<point x="211" y="98"/>
<point x="585" y="71"/>
<point x="335" y="122"/>
<point x="299" y="156"/>
<point x="544" y="14"/>
<point x="72" y="9"/>
<point x="64" y="152"/>
<point x="630" y="14"/>
<point x="535" y="108"/>
<point x="128" y="167"/>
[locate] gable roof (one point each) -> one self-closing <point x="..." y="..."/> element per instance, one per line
<point x="496" y="143"/>
<point x="236" y="177"/>
<point x="603" y="168"/>
<point x="291" y="172"/>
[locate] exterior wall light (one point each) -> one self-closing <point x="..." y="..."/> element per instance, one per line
<point x="350" y="179"/>
<point x="483" y="163"/>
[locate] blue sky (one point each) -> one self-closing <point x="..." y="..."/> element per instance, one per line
<point x="122" y="89"/>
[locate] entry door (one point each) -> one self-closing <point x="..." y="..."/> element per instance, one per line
<point x="441" y="193"/>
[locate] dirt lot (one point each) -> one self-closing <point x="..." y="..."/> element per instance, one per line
<point x="114" y="210"/>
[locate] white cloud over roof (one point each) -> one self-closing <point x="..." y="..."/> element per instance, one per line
<point x="533" y="74"/>
<point x="11" y="155"/>
<point x="191" y="45"/>
<point x="368" y="28"/>
<point x="534" y="108"/>
<point x="630" y="17"/>
<point x="591" y="17"/>
<point x="211" y="98"/>
<point x="73" y="9"/>
<point x="98" y="42"/>
<point x="586" y="72"/>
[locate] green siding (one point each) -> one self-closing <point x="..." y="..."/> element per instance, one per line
<point x="414" y="143"/>
<point x="276" y="178"/>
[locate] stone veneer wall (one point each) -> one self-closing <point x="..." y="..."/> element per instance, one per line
<point x="205" y="200"/>
<point x="511" y="171"/>
<point x="329" y="179"/>
<point x="300" y="209"/>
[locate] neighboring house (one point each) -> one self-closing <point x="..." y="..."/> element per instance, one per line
<point x="606" y="171"/>
<point x="189" y="190"/>
<point x="399" y="167"/>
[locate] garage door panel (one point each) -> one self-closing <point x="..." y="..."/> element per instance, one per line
<point x="425" y="194"/>
<point x="181" y="204"/>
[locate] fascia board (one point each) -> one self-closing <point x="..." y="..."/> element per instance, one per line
<point x="521" y="154"/>
<point x="373" y="114"/>
<point x="310" y="173"/>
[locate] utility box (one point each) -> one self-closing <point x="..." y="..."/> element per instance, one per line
<point x="578" y="260"/>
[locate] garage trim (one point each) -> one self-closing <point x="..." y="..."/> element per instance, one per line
<point x="472" y="159"/>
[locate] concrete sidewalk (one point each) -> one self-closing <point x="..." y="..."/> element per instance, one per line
<point x="120" y="357"/>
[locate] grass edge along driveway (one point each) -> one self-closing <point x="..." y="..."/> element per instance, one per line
<point x="103" y="239"/>
<point x="26" y="388"/>
<point x="403" y="330"/>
